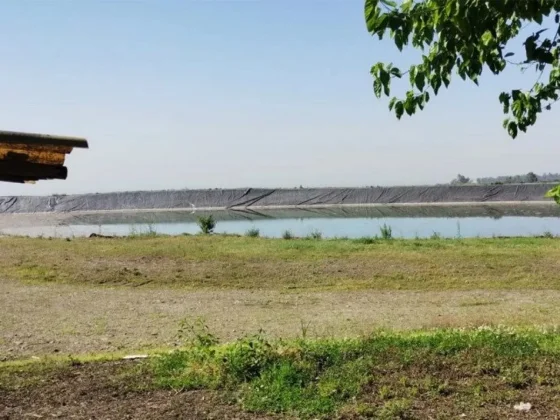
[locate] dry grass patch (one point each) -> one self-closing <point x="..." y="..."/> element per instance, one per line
<point x="217" y="262"/>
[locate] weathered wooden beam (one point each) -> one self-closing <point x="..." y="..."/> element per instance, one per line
<point x="26" y="157"/>
<point x="41" y="139"/>
<point x="19" y="171"/>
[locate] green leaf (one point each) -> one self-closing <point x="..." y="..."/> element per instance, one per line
<point x="385" y="79"/>
<point x="445" y="79"/>
<point x="512" y="129"/>
<point x="420" y="81"/>
<point x="392" y="103"/>
<point x="504" y="99"/>
<point x="509" y="54"/>
<point x="554" y="193"/>
<point x="396" y="72"/>
<point x="399" y="109"/>
<point x="371" y="12"/>
<point x="377" y="86"/>
<point x="436" y="83"/>
<point x="487" y="38"/>
<point x="399" y="40"/>
<point x="409" y="105"/>
<point x="538" y="19"/>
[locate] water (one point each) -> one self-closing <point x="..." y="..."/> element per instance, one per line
<point x="406" y="222"/>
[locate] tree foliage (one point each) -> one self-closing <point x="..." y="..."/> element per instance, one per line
<point x="465" y="37"/>
<point x="460" y="180"/>
<point x="531" y="177"/>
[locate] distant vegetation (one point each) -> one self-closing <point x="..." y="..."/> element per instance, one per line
<point x="253" y="233"/>
<point x="287" y="234"/>
<point x="528" y="178"/>
<point x="206" y="224"/>
<point x="386" y="231"/>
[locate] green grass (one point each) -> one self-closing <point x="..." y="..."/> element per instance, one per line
<point x="387" y="375"/>
<point x="480" y="372"/>
<point x="229" y="262"/>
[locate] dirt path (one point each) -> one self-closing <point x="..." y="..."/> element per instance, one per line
<point x="93" y="391"/>
<point x="67" y="319"/>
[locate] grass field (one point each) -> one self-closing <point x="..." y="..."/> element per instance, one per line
<point x="447" y="374"/>
<point x="223" y="262"/>
<point x="65" y="299"/>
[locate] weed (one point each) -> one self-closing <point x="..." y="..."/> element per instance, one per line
<point x="316" y="235"/>
<point x="196" y="333"/>
<point x="435" y="236"/>
<point x="287" y="234"/>
<point x="316" y="377"/>
<point x="149" y="232"/>
<point x="395" y="409"/>
<point x="516" y="377"/>
<point x="206" y="224"/>
<point x="548" y="235"/>
<point x="304" y="329"/>
<point x="386" y="231"/>
<point x="253" y="233"/>
<point x="366" y="240"/>
<point x="385" y="392"/>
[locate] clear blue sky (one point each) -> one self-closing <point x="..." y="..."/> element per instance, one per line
<point x="186" y="94"/>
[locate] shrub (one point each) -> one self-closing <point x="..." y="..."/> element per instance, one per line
<point x="365" y="240"/>
<point x="287" y="235"/>
<point x="206" y="224"/>
<point x="386" y="231"/>
<point x="253" y="233"/>
<point x="316" y="234"/>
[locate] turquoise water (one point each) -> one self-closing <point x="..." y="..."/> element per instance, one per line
<point x="329" y="227"/>
<point x="488" y="220"/>
<point x="358" y="227"/>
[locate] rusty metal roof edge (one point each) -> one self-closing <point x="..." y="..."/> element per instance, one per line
<point x="42" y="139"/>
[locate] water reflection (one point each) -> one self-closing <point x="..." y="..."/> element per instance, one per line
<point x="405" y="220"/>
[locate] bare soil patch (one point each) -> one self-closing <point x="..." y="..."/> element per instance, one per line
<point x="97" y="391"/>
<point x="40" y="320"/>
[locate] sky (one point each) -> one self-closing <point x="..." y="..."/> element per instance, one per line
<point x="219" y="94"/>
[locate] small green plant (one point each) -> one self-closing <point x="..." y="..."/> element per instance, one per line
<point x="548" y="235"/>
<point x="316" y="235"/>
<point x="304" y="329"/>
<point x="516" y="377"/>
<point x="287" y="234"/>
<point x="150" y="231"/>
<point x="386" y="231"/>
<point x="315" y="378"/>
<point x="366" y="240"/>
<point x="395" y="409"/>
<point x="385" y="393"/>
<point x="435" y="236"/>
<point x="196" y="333"/>
<point x="253" y="233"/>
<point x="206" y="224"/>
